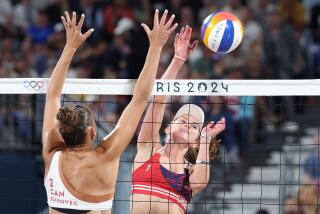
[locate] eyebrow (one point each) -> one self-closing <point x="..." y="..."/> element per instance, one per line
<point x="187" y="118"/>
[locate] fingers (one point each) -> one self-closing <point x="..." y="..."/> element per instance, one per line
<point x="181" y="33"/>
<point x="146" y="28"/>
<point x="194" y="44"/>
<point x="74" y="19"/>
<point x="223" y="121"/>
<point x="164" y="17"/>
<point x="168" y="24"/>
<point x="67" y="17"/>
<point x="208" y="127"/>
<point x="221" y="124"/>
<point x="213" y="129"/>
<point x="72" y="23"/>
<point x="188" y="33"/>
<point x="64" y="22"/>
<point x="176" y="38"/>
<point x="161" y="29"/>
<point x="173" y="28"/>
<point x="211" y="124"/>
<point x="156" y="19"/>
<point x="88" y="33"/>
<point x="185" y="33"/>
<point x="80" y="24"/>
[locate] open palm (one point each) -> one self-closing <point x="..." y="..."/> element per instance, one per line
<point x="73" y="30"/>
<point x="158" y="36"/>
<point x="213" y="129"/>
<point x="182" y="47"/>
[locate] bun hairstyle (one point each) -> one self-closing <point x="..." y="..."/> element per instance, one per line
<point x="192" y="153"/>
<point x="74" y="121"/>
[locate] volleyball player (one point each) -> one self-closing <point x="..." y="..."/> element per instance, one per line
<point x="165" y="178"/>
<point x="78" y="177"/>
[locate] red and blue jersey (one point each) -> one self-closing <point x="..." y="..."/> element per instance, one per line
<point x="153" y="179"/>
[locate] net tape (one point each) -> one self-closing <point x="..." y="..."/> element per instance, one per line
<point x="181" y="87"/>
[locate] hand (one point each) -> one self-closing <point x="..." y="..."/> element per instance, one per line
<point x="73" y="30"/>
<point x="158" y="36"/>
<point x="212" y="130"/>
<point x="182" y="47"/>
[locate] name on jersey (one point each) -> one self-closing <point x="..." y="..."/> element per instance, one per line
<point x="58" y="196"/>
<point x="63" y="201"/>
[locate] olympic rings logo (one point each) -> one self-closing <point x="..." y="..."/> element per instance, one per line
<point x="34" y="85"/>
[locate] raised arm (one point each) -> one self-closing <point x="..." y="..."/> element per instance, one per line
<point x="50" y="138"/>
<point x="121" y="136"/>
<point x="149" y="139"/>
<point x="201" y="173"/>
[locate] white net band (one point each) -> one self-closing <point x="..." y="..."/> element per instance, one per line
<point x="167" y="87"/>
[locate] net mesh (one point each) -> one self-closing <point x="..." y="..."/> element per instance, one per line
<point x="268" y="159"/>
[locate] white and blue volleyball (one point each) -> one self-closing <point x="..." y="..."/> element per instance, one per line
<point x="221" y="32"/>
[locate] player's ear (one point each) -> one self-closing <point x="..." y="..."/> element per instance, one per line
<point x="91" y="132"/>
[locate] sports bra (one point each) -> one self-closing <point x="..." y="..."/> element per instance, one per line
<point x="61" y="195"/>
<point x="151" y="178"/>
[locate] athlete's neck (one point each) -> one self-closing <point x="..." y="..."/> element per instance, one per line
<point x="79" y="148"/>
<point x="174" y="152"/>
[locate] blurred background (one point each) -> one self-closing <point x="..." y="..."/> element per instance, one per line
<point x="269" y="159"/>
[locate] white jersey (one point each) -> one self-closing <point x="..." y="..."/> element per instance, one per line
<point x="60" y="193"/>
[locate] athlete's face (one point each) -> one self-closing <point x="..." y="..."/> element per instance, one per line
<point x="185" y="129"/>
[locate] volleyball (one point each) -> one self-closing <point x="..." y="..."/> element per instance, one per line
<point x="221" y="32"/>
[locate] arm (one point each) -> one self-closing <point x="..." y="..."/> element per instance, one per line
<point x="50" y="136"/>
<point x="148" y="138"/>
<point x="201" y="173"/>
<point x="121" y="136"/>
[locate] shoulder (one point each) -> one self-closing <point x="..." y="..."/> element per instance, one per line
<point x="48" y="159"/>
<point x="144" y="155"/>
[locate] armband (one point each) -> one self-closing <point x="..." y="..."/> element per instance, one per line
<point x="202" y="162"/>
<point x="206" y="136"/>
<point x="179" y="57"/>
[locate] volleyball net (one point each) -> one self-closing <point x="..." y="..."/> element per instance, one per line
<point x="268" y="158"/>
